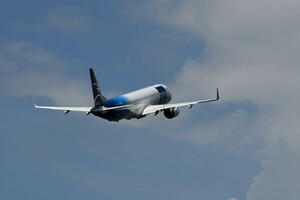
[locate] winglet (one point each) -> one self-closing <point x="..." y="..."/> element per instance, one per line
<point x="218" y="96"/>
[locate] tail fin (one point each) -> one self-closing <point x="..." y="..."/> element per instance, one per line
<point x="98" y="97"/>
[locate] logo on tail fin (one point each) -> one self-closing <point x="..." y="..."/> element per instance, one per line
<point x="98" y="97"/>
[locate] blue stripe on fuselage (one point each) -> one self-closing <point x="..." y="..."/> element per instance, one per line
<point x="163" y="95"/>
<point x="117" y="101"/>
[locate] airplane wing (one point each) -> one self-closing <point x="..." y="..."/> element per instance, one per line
<point x="115" y="107"/>
<point x="156" y="108"/>
<point x="78" y="109"/>
<point x="66" y="109"/>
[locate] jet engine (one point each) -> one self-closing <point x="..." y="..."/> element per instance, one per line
<point x="171" y="113"/>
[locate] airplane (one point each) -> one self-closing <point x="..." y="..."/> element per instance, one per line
<point x="136" y="104"/>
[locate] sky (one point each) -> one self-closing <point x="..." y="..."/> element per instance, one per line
<point x="244" y="147"/>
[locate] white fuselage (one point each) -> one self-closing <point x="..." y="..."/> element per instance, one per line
<point x="139" y="99"/>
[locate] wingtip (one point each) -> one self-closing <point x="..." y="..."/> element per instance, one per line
<point x="218" y="95"/>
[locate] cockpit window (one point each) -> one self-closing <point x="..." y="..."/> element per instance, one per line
<point x="161" y="89"/>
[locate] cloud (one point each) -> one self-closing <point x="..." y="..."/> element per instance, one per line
<point x="67" y="23"/>
<point x="252" y="55"/>
<point x="67" y="18"/>
<point x="30" y="71"/>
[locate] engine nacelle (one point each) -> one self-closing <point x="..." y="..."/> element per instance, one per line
<point x="171" y="113"/>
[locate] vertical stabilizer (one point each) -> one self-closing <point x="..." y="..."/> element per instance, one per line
<point x="99" y="99"/>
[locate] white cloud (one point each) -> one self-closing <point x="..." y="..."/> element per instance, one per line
<point x="252" y="49"/>
<point x="68" y="18"/>
<point x="27" y="70"/>
<point x="67" y="23"/>
<point x="251" y="54"/>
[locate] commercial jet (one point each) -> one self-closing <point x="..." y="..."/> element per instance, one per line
<point x="136" y="104"/>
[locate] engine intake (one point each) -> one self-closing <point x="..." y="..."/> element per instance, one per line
<point x="171" y="113"/>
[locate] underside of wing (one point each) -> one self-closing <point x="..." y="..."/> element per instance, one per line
<point x="156" y="108"/>
<point x="79" y="109"/>
<point x="115" y="107"/>
<point x="66" y="109"/>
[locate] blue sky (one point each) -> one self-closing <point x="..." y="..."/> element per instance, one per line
<point x="228" y="150"/>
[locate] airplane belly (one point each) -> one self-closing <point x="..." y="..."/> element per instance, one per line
<point x="122" y="113"/>
<point x="116" y="115"/>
